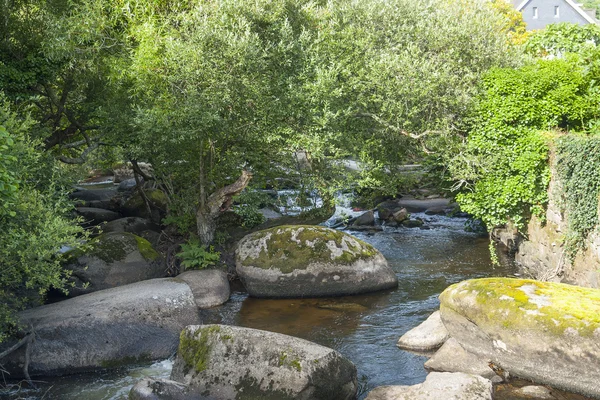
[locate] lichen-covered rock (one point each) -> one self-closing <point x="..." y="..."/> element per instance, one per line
<point x="228" y="362"/>
<point x="438" y="386"/>
<point x="310" y="261"/>
<point x="106" y="329"/>
<point x="115" y="259"/>
<point x="429" y="335"/>
<point x="541" y="331"/>
<point x="210" y="287"/>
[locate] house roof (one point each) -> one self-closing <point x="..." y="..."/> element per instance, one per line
<point x="573" y="5"/>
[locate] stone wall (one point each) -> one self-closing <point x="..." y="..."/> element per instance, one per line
<point x="540" y="250"/>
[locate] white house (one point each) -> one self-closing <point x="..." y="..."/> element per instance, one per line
<point x="539" y="13"/>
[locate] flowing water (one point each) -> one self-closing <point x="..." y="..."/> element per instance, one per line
<point x="363" y="328"/>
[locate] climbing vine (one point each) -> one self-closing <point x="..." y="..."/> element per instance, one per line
<point x="578" y="169"/>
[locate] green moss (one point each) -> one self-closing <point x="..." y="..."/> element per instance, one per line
<point x="505" y="302"/>
<point x="194" y="347"/>
<point x="146" y="249"/>
<point x="111" y="247"/>
<point x="292" y="247"/>
<point x="296" y="365"/>
<point x="286" y="361"/>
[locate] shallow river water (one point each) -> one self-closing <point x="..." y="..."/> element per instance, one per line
<point x="363" y="328"/>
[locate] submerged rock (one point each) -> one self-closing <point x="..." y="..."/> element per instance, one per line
<point x="210" y="287"/>
<point x="228" y="362"/>
<point x="429" y="335"/>
<point x="107" y="329"/>
<point x="310" y="261"/>
<point x="438" y="386"/>
<point x="115" y="259"/>
<point x="545" y="332"/>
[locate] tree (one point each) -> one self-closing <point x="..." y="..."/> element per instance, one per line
<point x="34" y="218"/>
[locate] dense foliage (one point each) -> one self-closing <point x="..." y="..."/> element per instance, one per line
<point x="214" y="94"/>
<point x="503" y="172"/>
<point x="578" y="166"/>
<point x="33" y="217"/>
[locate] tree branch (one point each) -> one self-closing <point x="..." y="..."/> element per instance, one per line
<point x="217" y="199"/>
<point x="396" y="129"/>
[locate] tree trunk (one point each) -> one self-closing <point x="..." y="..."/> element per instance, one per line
<point x="206" y="215"/>
<point x="205" y="226"/>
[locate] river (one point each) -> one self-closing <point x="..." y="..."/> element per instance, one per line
<point x="364" y="328"/>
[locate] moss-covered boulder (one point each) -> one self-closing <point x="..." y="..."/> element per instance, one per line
<point x="114" y="259"/>
<point x="228" y="362"/>
<point x="545" y="332"/>
<point x="310" y="261"/>
<point x="135" y="206"/>
<point x="106" y="329"/>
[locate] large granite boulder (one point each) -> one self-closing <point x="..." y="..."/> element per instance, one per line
<point x="545" y="332"/>
<point x="438" y="386"/>
<point x="310" y="261"/>
<point x="210" y="287"/>
<point x="106" y="329"/>
<point x="228" y="362"/>
<point x="114" y="259"/>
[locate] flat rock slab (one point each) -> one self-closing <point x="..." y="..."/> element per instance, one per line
<point x="453" y="358"/>
<point x="429" y="335"/>
<point x="545" y="332"/>
<point x="438" y="386"/>
<point x="107" y="329"/>
<point x="95" y="216"/>
<point x="416" y="205"/>
<point x="310" y="261"/>
<point x="228" y="362"/>
<point x="164" y="389"/>
<point x="210" y="287"/>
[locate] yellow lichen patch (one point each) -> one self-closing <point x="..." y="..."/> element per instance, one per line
<point x="522" y="304"/>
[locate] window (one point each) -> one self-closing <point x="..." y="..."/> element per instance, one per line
<point x="556" y="12"/>
<point x="535" y="12"/>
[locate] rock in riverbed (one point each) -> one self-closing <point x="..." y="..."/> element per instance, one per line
<point x="115" y="259"/>
<point x="545" y="332"/>
<point x="438" y="386"/>
<point x="210" y="287"/>
<point x="107" y="329"/>
<point x="429" y="335"/>
<point x="310" y="261"/>
<point x="228" y="362"/>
